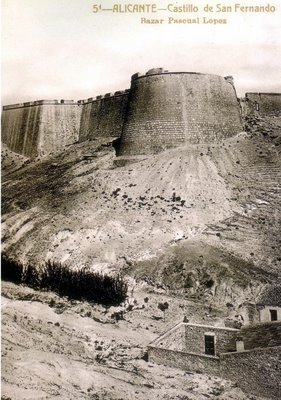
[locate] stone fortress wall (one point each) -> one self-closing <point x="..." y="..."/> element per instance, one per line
<point x="40" y="127"/>
<point x="161" y="110"/>
<point x="103" y="116"/>
<point x="170" y="109"/>
<point x="264" y="103"/>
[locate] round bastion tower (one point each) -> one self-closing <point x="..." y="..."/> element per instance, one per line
<point x="170" y="109"/>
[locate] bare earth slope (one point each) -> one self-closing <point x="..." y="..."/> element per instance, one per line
<point x="56" y="349"/>
<point x="196" y="226"/>
<point x="77" y="207"/>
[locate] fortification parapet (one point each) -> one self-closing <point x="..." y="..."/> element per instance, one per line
<point x="169" y="109"/>
<point x="40" y="103"/>
<point x="12" y="106"/>
<point x="105" y="96"/>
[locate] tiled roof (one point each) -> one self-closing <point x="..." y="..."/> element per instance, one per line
<point x="270" y="296"/>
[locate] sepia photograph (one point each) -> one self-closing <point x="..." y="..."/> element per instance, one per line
<point x="141" y="200"/>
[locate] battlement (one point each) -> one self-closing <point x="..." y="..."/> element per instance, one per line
<point x="162" y="71"/>
<point x="103" y="115"/>
<point x="105" y="96"/>
<point x="161" y="110"/>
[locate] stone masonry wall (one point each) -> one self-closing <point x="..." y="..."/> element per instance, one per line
<point x="174" y="339"/>
<point x="266" y="334"/>
<point x="264" y="313"/>
<point x="20" y="129"/>
<point x="40" y="127"/>
<point x="255" y="371"/>
<point x="265" y="104"/>
<point x="59" y="127"/>
<point x="195" y="338"/>
<point x="103" y="116"/>
<point x="185" y="361"/>
<point x="170" y="109"/>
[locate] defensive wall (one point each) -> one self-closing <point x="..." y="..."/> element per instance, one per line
<point x="170" y="109"/>
<point x="264" y="104"/>
<point x="161" y="110"/>
<point x="40" y="127"/>
<point x="103" y="116"/>
<point x="256" y="370"/>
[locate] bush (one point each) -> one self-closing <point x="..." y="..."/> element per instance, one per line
<point x="11" y="270"/>
<point x="74" y="283"/>
<point x="31" y="276"/>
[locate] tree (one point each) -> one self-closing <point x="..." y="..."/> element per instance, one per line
<point x="163" y="307"/>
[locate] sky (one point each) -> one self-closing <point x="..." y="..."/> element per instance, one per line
<point x="60" y="49"/>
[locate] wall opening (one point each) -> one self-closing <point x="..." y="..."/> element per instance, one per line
<point x="273" y="315"/>
<point x="116" y="145"/>
<point x="210" y="344"/>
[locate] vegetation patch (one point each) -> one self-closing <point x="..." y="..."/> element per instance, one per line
<point x="75" y="283"/>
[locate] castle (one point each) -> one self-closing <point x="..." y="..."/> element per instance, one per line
<point x="161" y="110"/>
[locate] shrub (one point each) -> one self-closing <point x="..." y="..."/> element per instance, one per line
<point x="74" y="283"/>
<point x="31" y="276"/>
<point x="11" y="270"/>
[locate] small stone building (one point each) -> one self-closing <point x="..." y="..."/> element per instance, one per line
<point x="249" y="356"/>
<point x="269" y="304"/>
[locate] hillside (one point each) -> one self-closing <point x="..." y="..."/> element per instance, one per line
<point x="196" y="226"/>
<point x="78" y="207"/>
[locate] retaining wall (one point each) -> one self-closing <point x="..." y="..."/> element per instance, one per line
<point x="103" y="116"/>
<point x="170" y="109"/>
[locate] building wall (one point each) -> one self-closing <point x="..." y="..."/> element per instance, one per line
<point x="225" y="338"/>
<point x="264" y="103"/>
<point x="103" y="116"/>
<point x="174" y="339"/>
<point x="170" y="109"/>
<point x="265" y="313"/>
<point x="40" y="127"/>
